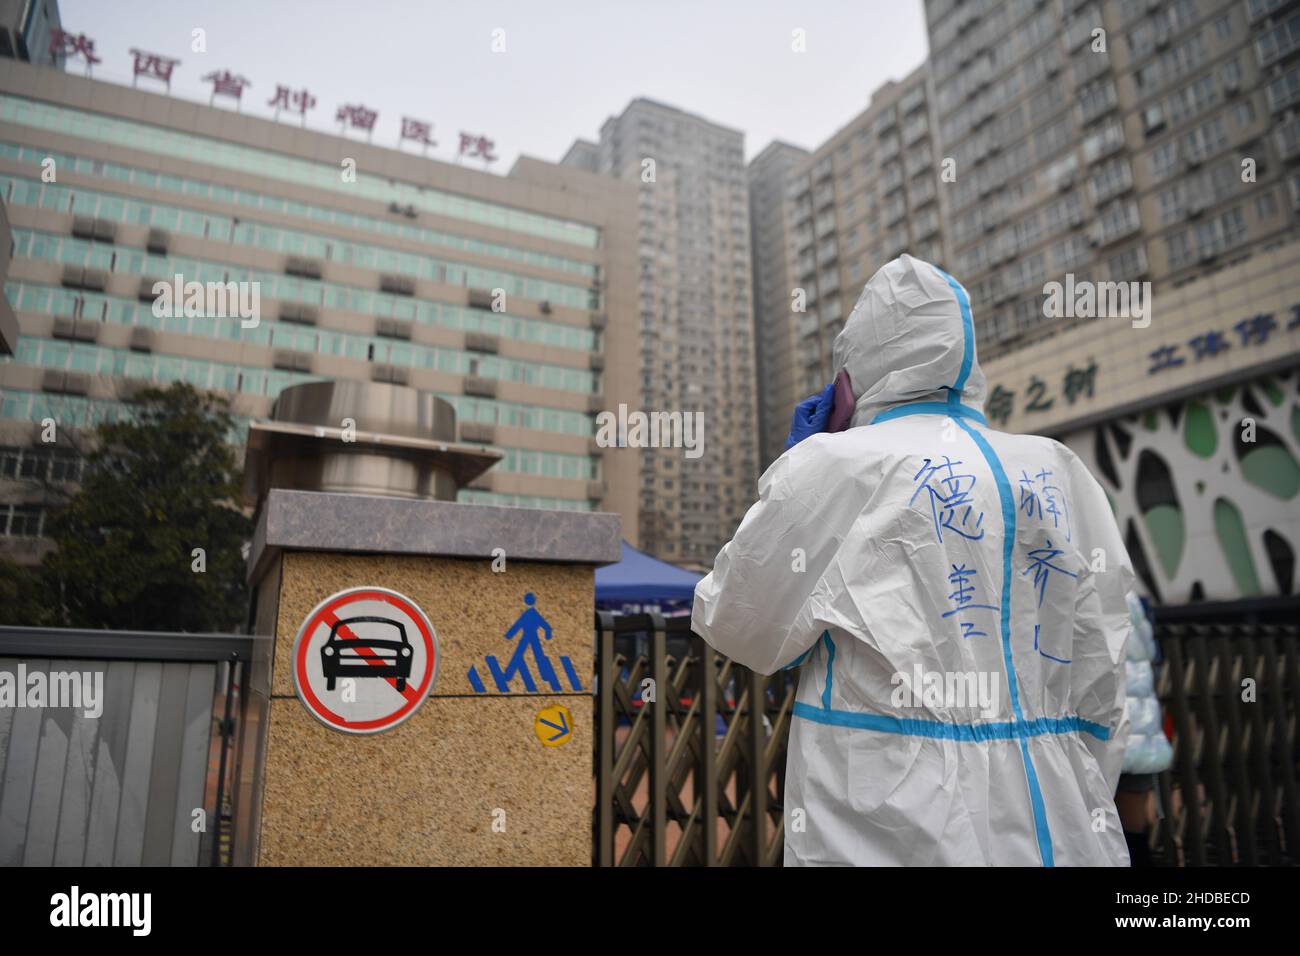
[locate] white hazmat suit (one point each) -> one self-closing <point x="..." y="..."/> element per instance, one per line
<point x="956" y="599"/>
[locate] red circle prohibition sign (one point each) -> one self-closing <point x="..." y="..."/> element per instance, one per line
<point x="326" y="615"/>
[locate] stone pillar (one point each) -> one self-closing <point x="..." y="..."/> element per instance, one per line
<point x="475" y="774"/>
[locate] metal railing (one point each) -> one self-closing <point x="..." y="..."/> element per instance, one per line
<point x="1230" y="692"/>
<point x="122" y="788"/>
<point x="698" y="778"/>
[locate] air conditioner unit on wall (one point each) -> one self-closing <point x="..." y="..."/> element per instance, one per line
<point x="301" y="266"/>
<point x="477" y="385"/>
<point x="142" y="339"/>
<point x="480" y="298"/>
<point x="299" y="313"/>
<point x="394" y="374"/>
<point x="397" y="285"/>
<point x="393" y="328"/>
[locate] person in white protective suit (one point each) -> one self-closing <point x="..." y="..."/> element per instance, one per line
<point x="955" y="598"/>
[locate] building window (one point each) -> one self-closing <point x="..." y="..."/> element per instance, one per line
<point x="21" y="521"/>
<point x="1266" y="206"/>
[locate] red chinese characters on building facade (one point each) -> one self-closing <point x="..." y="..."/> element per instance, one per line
<point x="356" y="116"/>
<point x="225" y="83"/>
<point x="479" y="147"/>
<point x="299" y="101"/>
<point x="418" y="130"/>
<point x="153" y="66"/>
<point x="73" y="44"/>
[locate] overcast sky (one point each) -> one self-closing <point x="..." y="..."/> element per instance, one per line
<point x="567" y="65"/>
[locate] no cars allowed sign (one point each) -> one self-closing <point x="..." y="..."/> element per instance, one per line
<point x="364" y="660"/>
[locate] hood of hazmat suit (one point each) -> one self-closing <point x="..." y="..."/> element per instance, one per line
<point x="955" y="599"/>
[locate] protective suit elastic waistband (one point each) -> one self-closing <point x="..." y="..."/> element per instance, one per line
<point x="915" y="727"/>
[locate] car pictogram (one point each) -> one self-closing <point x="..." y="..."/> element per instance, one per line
<point x="383" y="650"/>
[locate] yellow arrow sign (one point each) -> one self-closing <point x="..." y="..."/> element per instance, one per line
<point x="553" y="725"/>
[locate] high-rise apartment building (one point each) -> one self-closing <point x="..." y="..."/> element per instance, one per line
<point x="776" y="323"/>
<point x="1104" y="145"/>
<point x="696" y="318"/>
<point x="1097" y="144"/>
<point x="866" y="195"/>
<point x="512" y="297"/>
<point x="1115" y="140"/>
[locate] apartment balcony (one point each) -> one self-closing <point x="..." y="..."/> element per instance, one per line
<point x="1116" y="221"/>
<point x="1284" y="91"/>
<point x="1097" y="102"/>
<point x="896" y="243"/>
<point x="1103" y="143"/>
<point x="1088" y="66"/>
<point x="1288" y="139"/>
<point x="982" y="112"/>
<point x="912" y="101"/>
<point x="1258" y="9"/>
<point x="917" y="162"/>
<point x="803" y="212"/>
<point x="1279" y="42"/>
<point x="1079" y="31"/>
<point x="1110" y="181"/>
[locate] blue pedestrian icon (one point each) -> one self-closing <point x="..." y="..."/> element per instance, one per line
<point x="530" y="627"/>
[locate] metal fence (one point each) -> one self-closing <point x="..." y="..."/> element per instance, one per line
<point x="697" y="779"/>
<point x="1230" y="692"/>
<point x="121" y="787"/>
<point x="689" y="761"/>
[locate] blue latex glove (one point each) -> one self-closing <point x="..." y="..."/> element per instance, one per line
<point x="811" y="416"/>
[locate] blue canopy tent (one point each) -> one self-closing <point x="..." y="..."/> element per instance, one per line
<point x="639" y="579"/>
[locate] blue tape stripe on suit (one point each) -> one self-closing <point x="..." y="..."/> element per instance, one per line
<point x="939" y="730"/>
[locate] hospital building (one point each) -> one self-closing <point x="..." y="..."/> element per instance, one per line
<point x="511" y="297"/>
